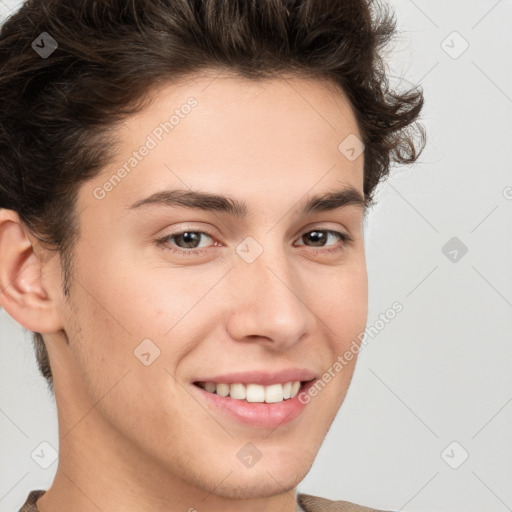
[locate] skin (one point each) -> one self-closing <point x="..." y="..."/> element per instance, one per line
<point x="132" y="437"/>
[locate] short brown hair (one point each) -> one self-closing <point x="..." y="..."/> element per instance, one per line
<point x="58" y="113"/>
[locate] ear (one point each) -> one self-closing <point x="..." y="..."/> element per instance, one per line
<point x="28" y="277"/>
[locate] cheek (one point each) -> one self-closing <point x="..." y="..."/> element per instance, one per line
<point x="100" y="346"/>
<point x="106" y="325"/>
<point x="122" y="310"/>
<point x="343" y="309"/>
<point x="114" y="379"/>
<point x="343" y="303"/>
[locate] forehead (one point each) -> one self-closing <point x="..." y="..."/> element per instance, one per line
<point x="222" y="132"/>
<point x="229" y="105"/>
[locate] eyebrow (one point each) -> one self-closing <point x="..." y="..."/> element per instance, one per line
<point x="213" y="202"/>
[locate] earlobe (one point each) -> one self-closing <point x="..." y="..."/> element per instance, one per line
<point x="23" y="276"/>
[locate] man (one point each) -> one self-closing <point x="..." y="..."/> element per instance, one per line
<point x="183" y="190"/>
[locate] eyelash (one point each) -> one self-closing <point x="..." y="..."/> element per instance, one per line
<point x="345" y="239"/>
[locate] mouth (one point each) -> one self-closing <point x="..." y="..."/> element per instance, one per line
<point x="254" y="393"/>
<point x="255" y="405"/>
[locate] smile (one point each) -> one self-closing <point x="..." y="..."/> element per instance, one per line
<point x="253" y="392"/>
<point x="255" y="405"/>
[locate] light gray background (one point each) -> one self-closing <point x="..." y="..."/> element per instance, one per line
<point x="440" y="371"/>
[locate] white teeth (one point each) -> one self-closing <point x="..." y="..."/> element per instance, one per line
<point x="254" y="392"/>
<point x="222" y="389"/>
<point x="295" y="388"/>
<point x="274" y="393"/>
<point x="236" y="391"/>
<point x="287" y="390"/>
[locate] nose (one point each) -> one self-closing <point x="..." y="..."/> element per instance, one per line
<point x="268" y="302"/>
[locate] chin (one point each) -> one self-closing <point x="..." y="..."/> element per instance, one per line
<point x="260" y="484"/>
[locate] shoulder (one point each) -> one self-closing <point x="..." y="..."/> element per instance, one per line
<point x="316" y="504"/>
<point x="30" y="503"/>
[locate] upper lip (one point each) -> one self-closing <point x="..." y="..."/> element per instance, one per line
<point x="262" y="377"/>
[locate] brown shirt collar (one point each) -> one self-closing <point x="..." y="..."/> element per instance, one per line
<point x="308" y="502"/>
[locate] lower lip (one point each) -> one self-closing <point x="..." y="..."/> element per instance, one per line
<point x="258" y="414"/>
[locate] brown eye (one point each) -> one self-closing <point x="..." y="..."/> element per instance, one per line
<point x="186" y="242"/>
<point x="188" y="239"/>
<point x="320" y="237"/>
<point x="317" y="238"/>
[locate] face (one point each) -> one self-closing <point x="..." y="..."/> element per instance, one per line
<point x="182" y="289"/>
